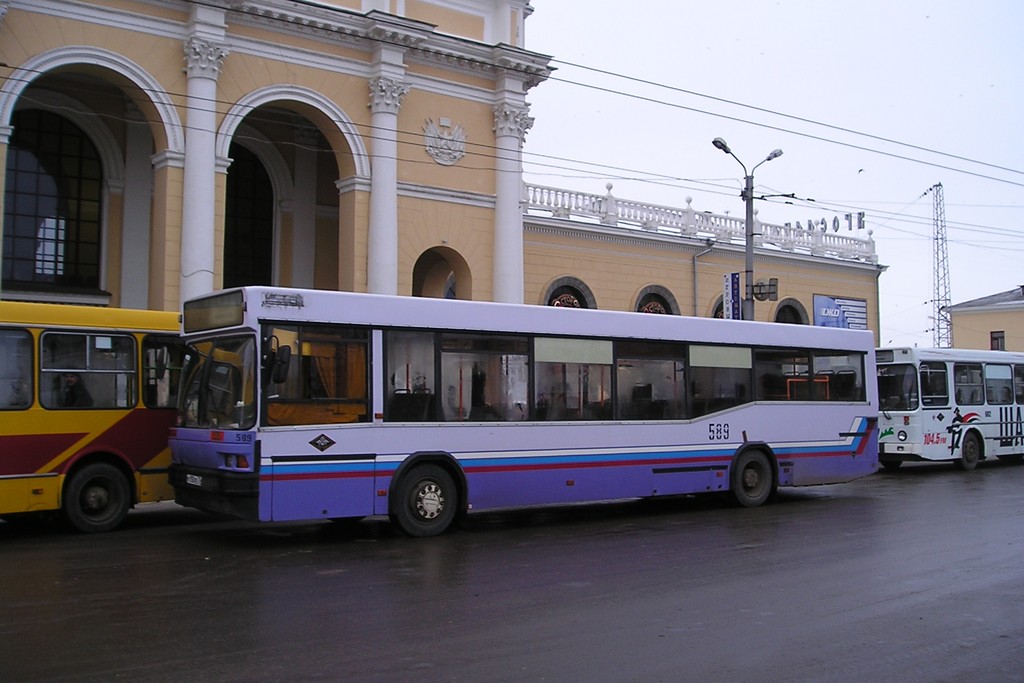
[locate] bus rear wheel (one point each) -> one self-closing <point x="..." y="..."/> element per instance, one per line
<point x="96" y="498"/>
<point x="425" y="501"/>
<point x="752" y="480"/>
<point x="970" y="452"/>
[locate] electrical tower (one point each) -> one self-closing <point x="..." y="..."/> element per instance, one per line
<point x="942" y="332"/>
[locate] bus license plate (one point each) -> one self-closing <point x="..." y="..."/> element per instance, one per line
<point x="193" y="480"/>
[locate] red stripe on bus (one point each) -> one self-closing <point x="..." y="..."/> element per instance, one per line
<point x="139" y="436"/>
<point x="28" y="453"/>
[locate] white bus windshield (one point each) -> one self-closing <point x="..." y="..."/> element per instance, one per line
<point x="897" y="387"/>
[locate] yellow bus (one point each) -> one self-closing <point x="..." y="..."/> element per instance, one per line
<point x="87" y="396"/>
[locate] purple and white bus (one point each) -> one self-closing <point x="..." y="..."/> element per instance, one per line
<point x="302" y="405"/>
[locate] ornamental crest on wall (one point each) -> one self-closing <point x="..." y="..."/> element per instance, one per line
<point x="445" y="143"/>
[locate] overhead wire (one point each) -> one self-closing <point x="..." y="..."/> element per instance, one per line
<point x="614" y="172"/>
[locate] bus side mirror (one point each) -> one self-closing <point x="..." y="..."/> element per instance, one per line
<point x="282" y="359"/>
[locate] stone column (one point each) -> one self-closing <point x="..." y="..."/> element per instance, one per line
<point x="382" y="260"/>
<point x="203" y="59"/>
<point x="510" y="125"/>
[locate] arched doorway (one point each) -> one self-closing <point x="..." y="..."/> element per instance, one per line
<point x="248" y="222"/>
<point x="442" y="273"/>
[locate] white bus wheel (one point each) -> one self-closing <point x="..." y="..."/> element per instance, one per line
<point x="425" y="502"/>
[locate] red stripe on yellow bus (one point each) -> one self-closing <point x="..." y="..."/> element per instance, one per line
<point x="28" y="453"/>
<point x="139" y="436"/>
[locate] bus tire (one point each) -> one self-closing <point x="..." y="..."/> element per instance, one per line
<point x="891" y="465"/>
<point x="96" y="498"/>
<point x="751" y="479"/>
<point x="970" y="452"/>
<point x="425" y="501"/>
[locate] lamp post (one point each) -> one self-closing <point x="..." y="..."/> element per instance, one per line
<point x="748" y="196"/>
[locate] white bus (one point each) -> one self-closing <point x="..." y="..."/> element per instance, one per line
<point x="949" y="404"/>
<point x="301" y="405"/>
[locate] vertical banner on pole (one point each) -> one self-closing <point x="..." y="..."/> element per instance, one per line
<point x="731" y="296"/>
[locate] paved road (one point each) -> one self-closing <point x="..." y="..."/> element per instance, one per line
<point x="916" y="575"/>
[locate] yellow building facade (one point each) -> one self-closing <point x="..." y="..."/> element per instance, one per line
<point x="161" y="149"/>
<point x="991" y="322"/>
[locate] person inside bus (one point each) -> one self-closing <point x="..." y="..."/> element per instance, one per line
<point x="73" y="393"/>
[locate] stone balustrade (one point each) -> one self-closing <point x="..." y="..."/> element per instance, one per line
<point x="818" y="238"/>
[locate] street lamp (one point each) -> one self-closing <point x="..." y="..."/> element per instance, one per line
<point x="748" y="197"/>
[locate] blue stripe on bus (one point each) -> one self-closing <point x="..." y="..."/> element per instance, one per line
<point x="699" y="456"/>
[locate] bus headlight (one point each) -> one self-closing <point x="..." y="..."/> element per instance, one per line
<point x="902" y="436"/>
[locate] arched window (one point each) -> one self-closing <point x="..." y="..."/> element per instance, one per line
<point x="569" y="292"/>
<point x="791" y="311"/>
<point x="652" y="303"/>
<point x="656" y="299"/>
<point x="53" y="205"/>
<point x="567" y="297"/>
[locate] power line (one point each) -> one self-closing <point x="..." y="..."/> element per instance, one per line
<point x="613" y="172"/>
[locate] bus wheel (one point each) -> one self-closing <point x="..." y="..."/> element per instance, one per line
<point x="970" y="452"/>
<point x="892" y="465"/>
<point x="96" y="498"/>
<point x="425" y="502"/>
<point x="751" y="479"/>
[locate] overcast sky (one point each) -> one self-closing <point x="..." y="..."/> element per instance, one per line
<point x="938" y="82"/>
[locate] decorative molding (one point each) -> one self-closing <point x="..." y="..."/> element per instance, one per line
<point x="203" y="58"/>
<point x="444" y="142"/>
<point x="352" y="184"/>
<point x="168" y="159"/>
<point x="12" y="88"/>
<point x="386" y="95"/>
<point x="483" y="201"/>
<point x="512" y="120"/>
<point x="292" y="93"/>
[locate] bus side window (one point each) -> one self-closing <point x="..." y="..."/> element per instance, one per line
<point x="572" y="379"/>
<point x="967" y="378"/>
<point x="326" y="378"/>
<point x="998" y="384"/>
<point x="485" y="377"/>
<point x="15" y="369"/>
<point x="934" y="384"/>
<point x="411" y="379"/>
<point x="651" y="380"/>
<point x="838" y="376"/>
<point x="721" y="375"/>
<point x="162" y="360"/>
<point x="1018" y="383"/>
<point x="89" y="370"/>
<point x="781" y="375"/>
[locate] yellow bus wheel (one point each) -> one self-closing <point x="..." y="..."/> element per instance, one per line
<point x="96" y="498"/>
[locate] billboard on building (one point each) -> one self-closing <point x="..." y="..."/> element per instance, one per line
<point x="836" y="311"/>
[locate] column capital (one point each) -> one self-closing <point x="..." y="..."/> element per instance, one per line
<point x="386" y="94"/>
<point x="203" y="58"/>
<point x="512" y="120"/>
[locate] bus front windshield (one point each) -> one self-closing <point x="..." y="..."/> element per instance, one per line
<point x="897" y="387"/>
<point x="220" y="385"/>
